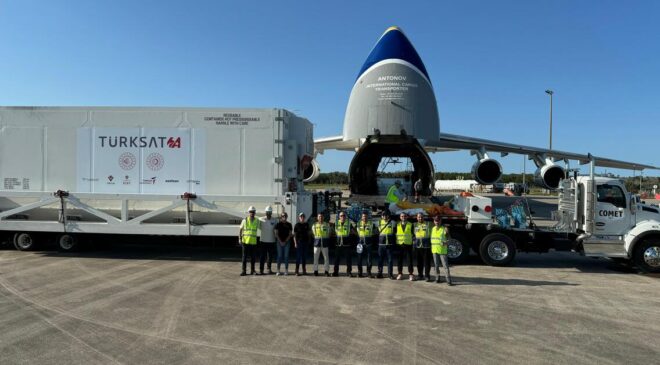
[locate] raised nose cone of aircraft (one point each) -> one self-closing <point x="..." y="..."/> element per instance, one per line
<point x="393" y="94"/>
<point x="393" y="44"/>
<point x="391" y="108"/>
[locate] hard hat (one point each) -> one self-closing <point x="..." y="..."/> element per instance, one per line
<point x="252" y="209"/>
<point x="268" y="209"/>
<point x="397" y="183"/>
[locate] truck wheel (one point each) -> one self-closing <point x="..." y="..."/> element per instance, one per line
<point x="497" y="249"/>
<point x="458" y="248"/>
<point x="24" y="241"/>
<point x="647" y="255"/>
<point x="67" y="242"/>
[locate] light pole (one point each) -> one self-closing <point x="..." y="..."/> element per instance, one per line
<point x="550" y="92"/>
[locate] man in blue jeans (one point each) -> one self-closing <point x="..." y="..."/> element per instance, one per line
<point x="385" y="243"/>
<point x="365" y="230"/>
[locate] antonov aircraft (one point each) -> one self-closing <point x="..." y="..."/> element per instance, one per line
<point x="392" y="112"/>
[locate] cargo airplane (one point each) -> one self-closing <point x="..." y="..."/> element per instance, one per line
<point x="392" y="112"/>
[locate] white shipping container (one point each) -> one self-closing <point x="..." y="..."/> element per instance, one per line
<point x="125" y="170"/>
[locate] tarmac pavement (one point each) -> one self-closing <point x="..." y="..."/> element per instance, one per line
<point x="148" y="304"/>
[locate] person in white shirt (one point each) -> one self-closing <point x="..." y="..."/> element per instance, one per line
<point x="267" y="240"/>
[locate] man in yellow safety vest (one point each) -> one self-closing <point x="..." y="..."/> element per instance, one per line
<point x="365" y="230"/>
<point x="439" y="235"/>
<point x="344" y="246"/>
<point x="247" y="237"/>
<point x="394" y="195"/>
<point x="385" y="243"/>
<point x="404" y="242"/>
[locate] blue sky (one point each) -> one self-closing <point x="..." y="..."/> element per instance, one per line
<point x="489" y="61"/>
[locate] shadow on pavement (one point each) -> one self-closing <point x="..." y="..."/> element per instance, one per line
<point x="460" y="280"/>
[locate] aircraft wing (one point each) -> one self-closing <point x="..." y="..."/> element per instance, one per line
<point x="452" y="141"/>
<point x="335" y="143"/>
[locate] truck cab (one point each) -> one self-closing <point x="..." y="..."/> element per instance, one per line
<point x="613" y="223"/>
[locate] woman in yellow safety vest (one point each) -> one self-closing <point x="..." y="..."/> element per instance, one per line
<point x="439" y="235"/>
<point x="321" y="232"/>
<point x="247" y="237"/>
<point x="404" y="234"/>
<point x="423" y="247"/>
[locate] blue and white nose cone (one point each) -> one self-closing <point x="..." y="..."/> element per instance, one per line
<point x="392" y="94"/>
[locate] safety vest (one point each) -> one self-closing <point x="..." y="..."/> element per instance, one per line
<point x="391" y="197"/>
<point x="343" y="229"/>
<point x="439" y="240"/>
<point x="384" y="227"/>
<point x="404" y="234"/>
<point x="365" y="229"/>
<point x="321" y="230"/>
<point x="250" y="231"/>
<point x="421" y="230"/>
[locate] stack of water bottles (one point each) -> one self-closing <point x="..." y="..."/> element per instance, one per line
<point x="513" y="216"/>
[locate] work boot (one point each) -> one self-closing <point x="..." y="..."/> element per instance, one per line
<point x="399" y="277"/>
<point x="327" y="274"/>
<point x="379" y="275"/>
<point x="437" y="279"/>
<point x="316" y="273"/>
<point x="391" y="277"/>
<point x="335" y="274"/>
<point x="350" y="275"/>
<point x="304" y="271"/>
<point x="243" y="273"/>
<point x="411" y="277"/>
<point x="428" y="279"/>
<point x="449" y="283"/>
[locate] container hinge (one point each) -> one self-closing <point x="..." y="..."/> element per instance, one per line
<point x="279" y="180"/>
<point x="278" y="160"/>
<point x="279" y="119"/>
<point x="279" y="141"/>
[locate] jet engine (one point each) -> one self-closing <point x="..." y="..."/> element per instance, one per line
<point x="486" y="171"/>
<point x="548" y="174"/>
<point x="311" y="171"/>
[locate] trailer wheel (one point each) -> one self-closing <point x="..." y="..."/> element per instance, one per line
<point x="458" y="248"/>
<point x="497" y="249"/>
<point x="67" y="242"/>
<point x="24" y="241"/>
<point x="647" y="255"/>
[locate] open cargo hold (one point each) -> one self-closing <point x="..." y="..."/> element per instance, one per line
<point x="164" y="171"/>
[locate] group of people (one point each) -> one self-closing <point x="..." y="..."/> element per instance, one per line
<point x="385" y="241"/>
